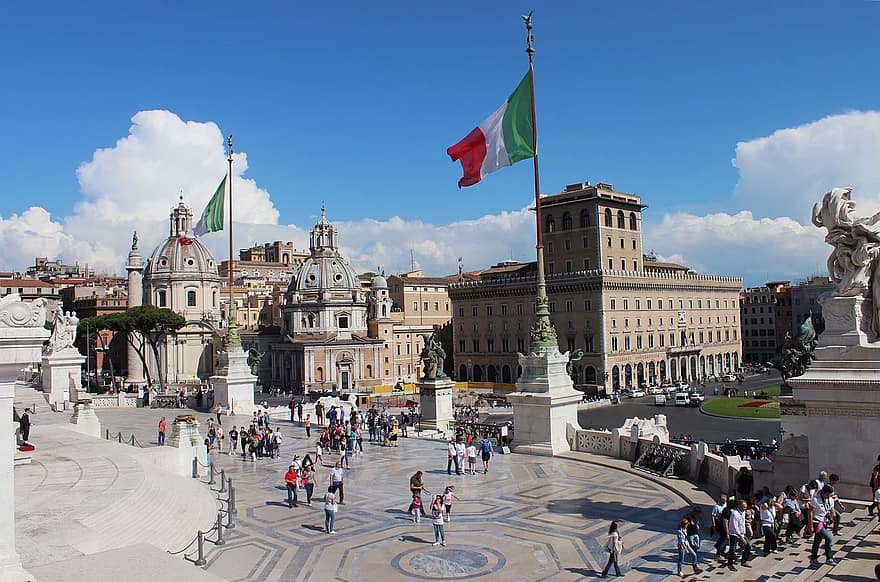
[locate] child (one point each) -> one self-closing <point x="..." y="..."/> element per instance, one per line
<point x="415" y="508"/>
<point x="319" y="453"/>
<point x="877" y="503"/>
<point x="471" y="452"/>
<point x="448" y="496"/>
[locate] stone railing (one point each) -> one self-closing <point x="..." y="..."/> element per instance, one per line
<point x="120" y="400"/>
<point x="637" y="435"/>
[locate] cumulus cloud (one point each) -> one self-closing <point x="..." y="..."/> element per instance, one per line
<point x="784" y="173"/>
<point x="740" y="245"/>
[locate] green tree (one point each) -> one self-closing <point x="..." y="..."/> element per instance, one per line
<point x="144" y="326"/>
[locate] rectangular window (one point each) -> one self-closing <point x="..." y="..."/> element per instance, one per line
<point x="474" y="310"/>
<point x="649" y="303"/>
<point x="519" y="309"/>
<point x="610" y="263"/>
<point x="568" y="266"/>
<point x="588" y="305"/>
<point x="425" y="306"/>
<point x="550" y="267"/>
<point x="436" y="306"/>
<point x="638" y="342"/>
<point x="659" y="304"/>
<point x="461" y="311"/>
<point x="662" y="340"/>
<point x="490" y="345"/>
<point x="586" y="243"/>
<point x="586" y="264"/>
<point x="626" y="304"/>
<point x="638" y="304"/>
<point x="488" y="310"/>
<point x="614" y="344"/>
<point x="505" y="345"/>
<point x="461" y="345"/>
<point x="567" y="245"/>
<point x="622" y="243"/>
<point x="613" y="304"/>
<point x="415" y="305"/>
<point x="650" y="341"/>
<point x="569" y="305"/>
<point x="504" y="309"/>
<point x="476" y="343"/>
<point x="552" y="307"/>
<point x="550" y="247"/>
<point x="521" y="345"/>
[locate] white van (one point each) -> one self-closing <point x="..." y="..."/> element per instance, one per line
<point x="682" y="398"/>
<point x="659" y="400"/>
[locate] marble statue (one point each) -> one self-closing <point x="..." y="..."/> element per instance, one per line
<point x="798" y="351"/>
<point x="433" y="356"/>
<point x="254" y="358"/>
<point x="853" y="263"/>
<point x="64" y="332"/>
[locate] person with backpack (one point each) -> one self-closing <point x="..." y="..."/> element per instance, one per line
<point x="614" y="546"/>
<point x="486" y="452"/>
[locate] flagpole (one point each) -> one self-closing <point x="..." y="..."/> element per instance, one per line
<point x="232" y="337"/>
<point x="543" y="334"/>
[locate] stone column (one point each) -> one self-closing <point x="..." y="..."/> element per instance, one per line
<point x="135" y="268"/>
<point x="21" y="339"/>
<point x="435" y="403"/>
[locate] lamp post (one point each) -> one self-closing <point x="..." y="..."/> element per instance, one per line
<point x="88" y="362"/>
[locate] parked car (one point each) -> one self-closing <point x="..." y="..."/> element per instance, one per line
<point x="634" y="392"/>
<point x="670" y="389"/>
<point x="656" y="390"/>
<point x="728" y="378"/>
<point x="681" y="386"/>
<point x="659" y="400"/>
<point x="697" y="398"/>
<point x="682" y="399"/>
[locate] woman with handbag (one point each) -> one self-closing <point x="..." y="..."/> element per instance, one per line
<point x="614" y="546"/>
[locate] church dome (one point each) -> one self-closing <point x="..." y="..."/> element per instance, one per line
<point x="379" y="282"/>
<point x="325" y="269"/>
<point x="181" y="257"/>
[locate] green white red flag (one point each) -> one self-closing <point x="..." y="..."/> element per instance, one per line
<point x="212" y="217"/>
<point x="502" y="139"/>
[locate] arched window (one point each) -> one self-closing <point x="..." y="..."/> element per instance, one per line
<point x="608" y="220"/>
<point x="633" y="223"/>
<point x="590" y="375"/>
<point x="462" y="373"/>
<point x="213" y="299"/>
<point x="621" y="221"/>
<point x="190" y="298"/>
<point x="505" y="374"/>
<point x="478" y="374"/>
<point x="490" y="374"/>
<point x="319" y="374"/>
<point x="549" y="223"/>
<point x="585" y="218"/>
<point x="384" y="311"/>
<point x="369" y="371"/>
<point x="161" y="298"/>
<point x="566" y="221"/>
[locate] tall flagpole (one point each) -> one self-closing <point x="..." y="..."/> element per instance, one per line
<point x="543" y="334"/>
<point x="232" y="337"/>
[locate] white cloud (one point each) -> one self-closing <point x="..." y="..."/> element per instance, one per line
<point x="784" y="173"/>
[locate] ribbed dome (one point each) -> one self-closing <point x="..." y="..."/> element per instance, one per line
<point x="172" y="257"/>
<point x="325" y="269"/>
<point x="379" y="282"/>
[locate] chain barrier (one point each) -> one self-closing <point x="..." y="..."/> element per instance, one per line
<point x="119" y="437"/>
<point x="188" y="546"/>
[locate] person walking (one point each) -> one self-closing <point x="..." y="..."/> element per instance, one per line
<point x="344" y="453"/>
<point x="736" y="525"/>
<point x="330" y="509"/>
<point x="471" y="452"/>
<point x="290" y="480"/>
<point x="24" y="425"/>
<point x="299" y="410"/>
<point x="416" y="509"/>
<point x="486" y="452"/>
<point x="308" y="424"/>
<point x="292" y="406"/>
<point x="792" y="508"/>
<point x="460" y="449"/>
<point x="319" y="453"/>
<point x="307" y="480"/>
<point x="614" y="547"/>
<point x="162" y="426"/>
<point x="336" y="481"/>
<point x="448" y="497"/>
<point x="233" y="440"/>
<point x="437" y="517"/>
<point x="695" y="526"/>
<point x="684" y="548"/>
<point x="823" y="518"/>
<point x="452" y="458"/>
<point x="275" y="443"/>
<point x="768" y="523"/>
<point x="416" y="486"/>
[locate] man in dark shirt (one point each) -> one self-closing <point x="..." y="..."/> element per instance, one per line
<point x="724" y="530"/>
<point x="24" y="425"/>
<point x="745" y="483"/>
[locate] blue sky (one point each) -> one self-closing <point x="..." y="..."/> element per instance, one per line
<point x="354" y="103"/>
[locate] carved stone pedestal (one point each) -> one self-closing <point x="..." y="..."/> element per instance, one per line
<point x="234" y="384"/>
<point x="58" y="369"/>
<point x="85" y="419"/>
<point x="544" y="404"/>
<point x="435" y="403"/>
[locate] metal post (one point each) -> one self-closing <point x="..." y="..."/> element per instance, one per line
<point x="107" y="434"/>
<point x="232" y="508"/>
<point x="222" y="481"/>
<point x="211" y="472"/>
<point x="195" y="467"/>
<point x="119" y="436"/>
<point x="220" y="541"/>
<point x="230" y="522"/>
<point x="200" y="561"/>
<point x="132" y="439"/>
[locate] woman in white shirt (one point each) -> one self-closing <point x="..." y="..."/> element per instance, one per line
<point x="437" y="516"/>
<point x="330" y="509"/>
<point x="768" y="522"/>
<point x="614" y="545"/>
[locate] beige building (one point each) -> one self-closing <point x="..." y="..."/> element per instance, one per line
<point x="638" y="320"/>
<point x="270" y="262"/>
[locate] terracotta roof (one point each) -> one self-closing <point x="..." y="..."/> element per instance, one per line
<point x="25" y="283"/>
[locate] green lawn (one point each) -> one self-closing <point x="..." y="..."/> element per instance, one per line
<point x="731" y="407"/>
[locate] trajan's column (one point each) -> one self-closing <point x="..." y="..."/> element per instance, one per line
<point x="135" y="268"/>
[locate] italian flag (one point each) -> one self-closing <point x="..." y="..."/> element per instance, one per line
<point x="502" y="139"/>
<point x="212" y="216"/>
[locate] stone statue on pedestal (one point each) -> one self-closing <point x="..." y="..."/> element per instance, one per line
<point x="64" y="332"/>
<point x="433" y="355"/>
<point x="853" y="263"/>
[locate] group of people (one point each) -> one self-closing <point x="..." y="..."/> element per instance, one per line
<point x="458" y="450"/>
<point x="302" y="474"/>
<point x="257" y="440"/>
<point x="440" y="507"/>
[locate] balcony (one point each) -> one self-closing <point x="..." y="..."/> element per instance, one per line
<point x="681" y="350"/>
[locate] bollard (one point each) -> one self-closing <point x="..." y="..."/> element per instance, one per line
<point x="132" y="439"/>
<point x="107" y="434"/>
<point x="211" y="472"/>
<point x="230" y="522"/>
<point x="119" y="436"/>
<point x="201" y="559"/>
<point x="232" y="508"/>
<point x="220" y="541"/>
<point x="222" y="481"/>
<point x="195" y="467"/>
